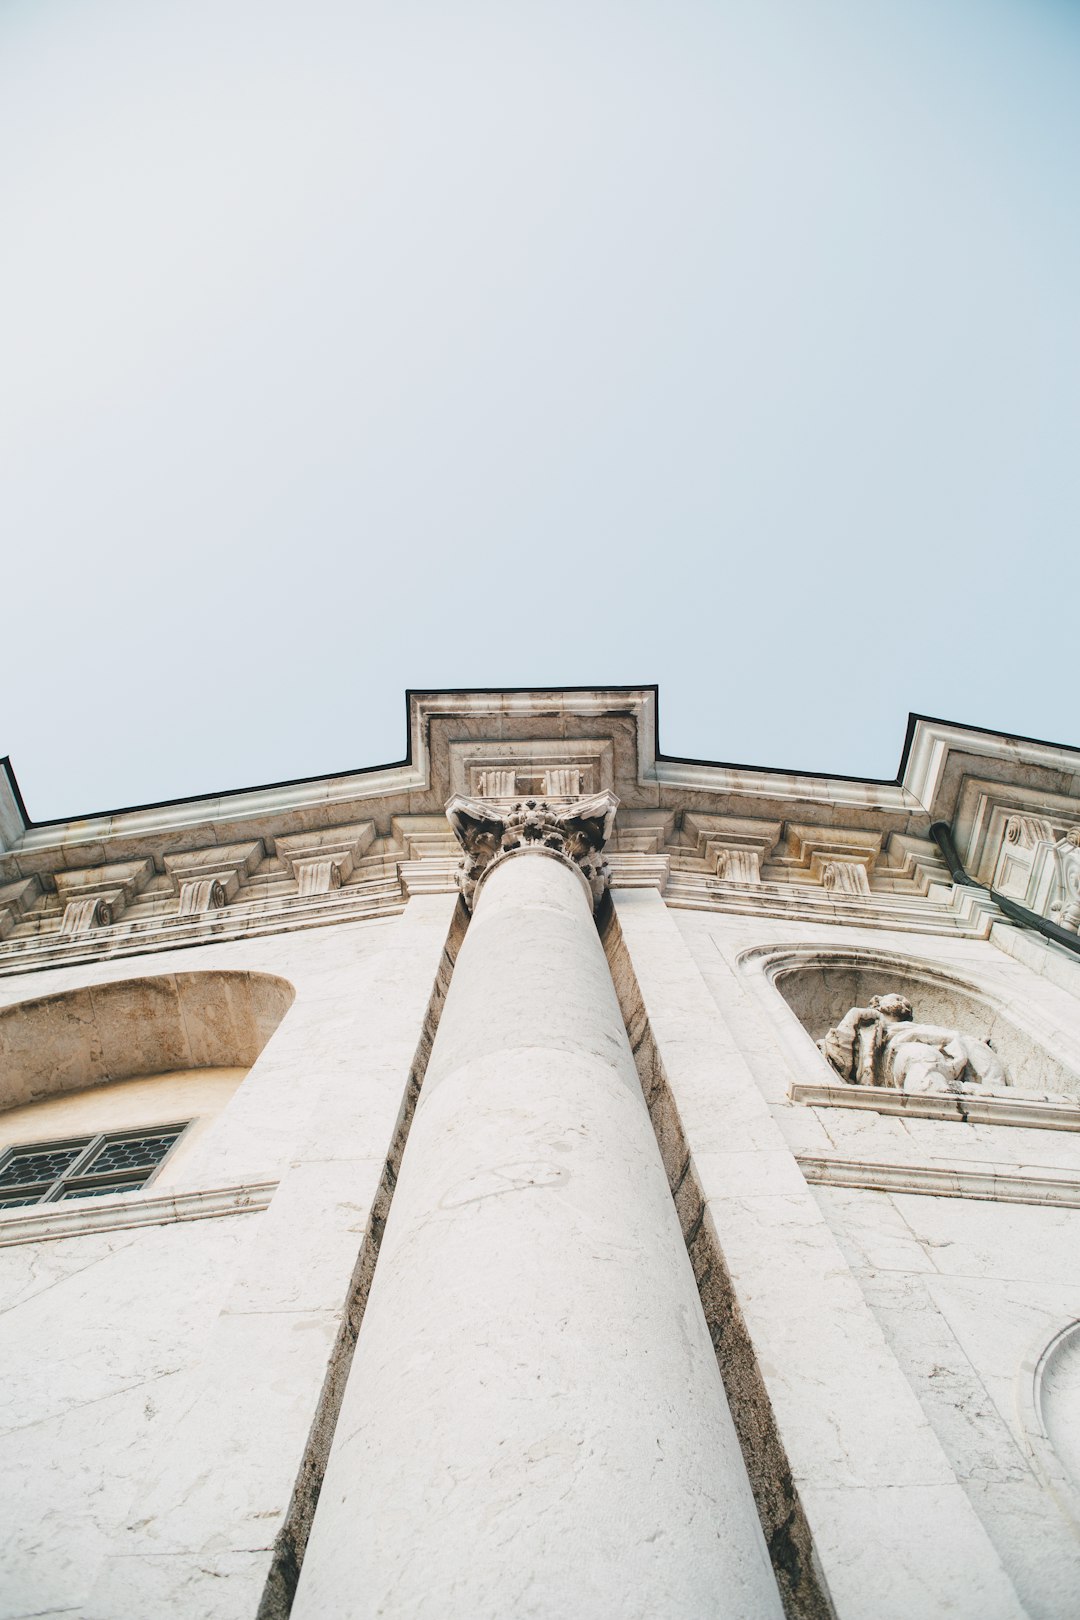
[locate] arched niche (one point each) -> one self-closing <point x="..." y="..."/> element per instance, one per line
<point x="819" y="986"/>
<point x="1048" y="1404"/>
<point x="136" y="1028"/>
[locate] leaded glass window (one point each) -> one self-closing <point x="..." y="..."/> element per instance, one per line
<point x="83" y="1166"/>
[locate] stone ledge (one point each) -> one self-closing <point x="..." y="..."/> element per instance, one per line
<point x="910" y="914"/>
<point x="44" y="1221"/>
<point x="283" y="916"/>
<point x="970" y="1109"/>
<point x="946" y="1180"/>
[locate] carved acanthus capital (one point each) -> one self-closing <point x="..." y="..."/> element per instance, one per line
<point x="489" y="833"/>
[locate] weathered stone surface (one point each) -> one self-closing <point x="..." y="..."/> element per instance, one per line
<point x="881" y="1280"/>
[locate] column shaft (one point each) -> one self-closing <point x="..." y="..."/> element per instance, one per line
<point x="534" y="1423"/>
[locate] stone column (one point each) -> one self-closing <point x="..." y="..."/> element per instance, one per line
<point x="534" y="1423"/>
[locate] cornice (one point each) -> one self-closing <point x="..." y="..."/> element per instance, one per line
<point x="939" y="755"/>
<point x="511" y="716"/>
<point x="240" y="861"/>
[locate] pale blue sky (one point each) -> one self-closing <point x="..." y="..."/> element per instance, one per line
<point x="729" y="344"/>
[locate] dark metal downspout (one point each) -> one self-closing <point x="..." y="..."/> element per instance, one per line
<point x="941" y="833"/>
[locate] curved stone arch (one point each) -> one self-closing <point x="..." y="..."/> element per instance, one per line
<point x="1048" y="1407"/>
<point x="817" y="983"/>
<point x="153" y="1024"/>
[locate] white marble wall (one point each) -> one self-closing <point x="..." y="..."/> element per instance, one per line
<point x="162" y="1386"/>
<point x="165" y="1382"/>
<point x="966" y="1292"/>
<point x="99" y="1336"/>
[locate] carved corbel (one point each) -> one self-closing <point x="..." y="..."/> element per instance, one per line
<point x="96" y="896"/>
<point x="839" y="858"/>
<point x="16" y="899"/>
<point x="844" y="877"/>
<point x="322" y="861"/>
<point x="735" y="865"/>
<point x="83" y="916"/>
<point x="207" y="879"/>
<point x="489" y="833"/>
<point x="323" y="875"/>
<point x="199" y="895"/>
<point x="733" y="848"/>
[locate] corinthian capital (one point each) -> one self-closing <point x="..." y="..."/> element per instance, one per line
<point x="489" y="832"/>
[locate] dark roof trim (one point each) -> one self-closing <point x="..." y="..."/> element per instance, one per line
<point x="491" y="691"/>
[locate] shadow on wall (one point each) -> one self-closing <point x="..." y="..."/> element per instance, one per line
<point x="820" y="989"/>
<point x="137" y="1027"/>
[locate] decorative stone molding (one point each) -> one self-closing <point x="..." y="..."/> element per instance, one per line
<point x="845" y="877"/>
<point x="498" y="784"/>
<point x="322" y="875"/>
<point x="909" y="864"/>
<point x="81" y="916"/>
<point x="208" y="879"/>
<point x="1067" y="862"/>
<point x="16" y="899"/>
<point x="154" y="934"/>
<point x="1027" y="831"/>
<point x="732" y="847"/>
<point x="562" y="782"/>
<point x="198" y="895"/>
<point x="114" y="886"/>
<point x="1046" y="1387"/>
<point x="525" y="767"/>
<point x="322" y="861"/>
<point x="839" y="858"/>
<point x="993" y="1183"/>
<point x="555" y="782"/>
<point x="45" y="1221"/>
<point x="738" y="866"/>
<point x="489" y="832"/>
<point x="1023" y="1109"/>
<point x="643" y="832"/>
<point x="634" y="871"/>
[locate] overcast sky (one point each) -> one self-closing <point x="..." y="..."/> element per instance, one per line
<point x="729" y="344"/>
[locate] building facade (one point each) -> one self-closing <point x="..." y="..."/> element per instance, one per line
<point x="546" y="1178"/>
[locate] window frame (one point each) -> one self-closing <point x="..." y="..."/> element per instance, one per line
<point x="77" y="1180"/>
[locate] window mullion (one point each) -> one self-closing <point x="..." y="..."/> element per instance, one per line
<point x="72" y="1170"/>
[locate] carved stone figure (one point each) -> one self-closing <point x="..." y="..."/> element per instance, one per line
<point x="882" y="1045"/>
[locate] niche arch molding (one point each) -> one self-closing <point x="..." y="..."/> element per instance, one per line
<point x="815" y="984"/>
<point x="1048" y="1404"/>
<point x="127" y="1028"/>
